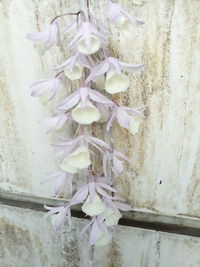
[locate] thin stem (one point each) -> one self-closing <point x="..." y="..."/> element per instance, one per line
<point x="105" y="52"/>
<point x="79" y="130"/>
<point x="65" y="14"/>
<point x="91" y="256"/>
<point x="88" y="7"/>
<point x="62" y="71"/>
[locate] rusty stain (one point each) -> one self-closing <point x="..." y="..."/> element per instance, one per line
<point x="156" y="44"/>
<point x="113" y="255"/>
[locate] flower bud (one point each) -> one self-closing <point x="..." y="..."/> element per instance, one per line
<point x="116" y="82"/>
<point x="102" y="240"/>
<point x="93" y="208"/>
<point x="124" y="25"/>
<point x="134" y="125"/>
<point x="75" y="73"/>
<point x="94" y="46"/>
<point x="100" y="82"/>
<point x="85" y="115"/>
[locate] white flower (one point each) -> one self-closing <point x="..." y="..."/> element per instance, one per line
<point x="66" y="167"/>
<point x="75" y="73"/>
<point x="79" y="159"/>
<point x="122" y="20"/>
<point x="116" y="82"/>
<point x="85" y="115"/>
<point x="134" y="125"/>
<point x="102" y="240"/>
<point x="100" y="82"/>
<point x="111" y="218"/>
<point x="93" y="208"/>
<point x="124" y="25"/>
<point x="88" y="50"/>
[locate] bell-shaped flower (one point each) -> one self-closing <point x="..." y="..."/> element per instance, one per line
<point x="83" y="95"/>
<point x="62" y="180"/>
<point x="93" y="208"/>
<point x="56" y="122"/>
<point x="50" y="35"/>
<point x="122" y="20"/>
<point x="89" y="192"/>
<point x="78" y="159"/>
<point x="85" y="115"/>
<point x="100" y="82"/>
<point x="73" y="66"/>
<point x="113" y="160"/>
<point x="99" y="235"/>
<point x="112" y="213"/>
<point x="111" y="217"/>
<point x="68" y="168"/>
<point x="88" y="39"/>
<point x="127" y="117"/>
<point x="60" y="215"/>
<point x="116" y="81"/>
<point x="46" y="87"/>
<point x="74" y="152"/>
<point x="75" y="73"/>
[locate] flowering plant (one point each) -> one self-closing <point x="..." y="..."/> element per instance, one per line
<point x="89" y="62"/>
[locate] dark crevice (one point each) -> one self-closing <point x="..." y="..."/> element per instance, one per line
<point x="142" y="221"/>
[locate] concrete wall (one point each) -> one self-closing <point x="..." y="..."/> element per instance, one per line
<point x="164" y="173"/>
<point x="27" y="240"/>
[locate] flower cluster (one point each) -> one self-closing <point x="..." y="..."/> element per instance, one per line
<point x="89" y="62"/>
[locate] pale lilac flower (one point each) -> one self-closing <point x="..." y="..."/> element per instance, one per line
<point x="93" y="207"/>
<point x="70" y="150"/>
<point x="75" y="153"/>
<point x="127" y="117"/>
<point x="99" y="235"/>
<point x="84" y="111"/>
<point x="50" y="35"/>
<point x="112" y="213"/>
<point x="73" y="66"/>
<point x="60" y="215"/>
<point x="62" y="180"/>
<point x="83" y="95"/>
<point x="55" y="122"/>
<point x="122" y="20"/>
<point x="115" y="81"/>
<point x="88" y="39"/>
<point x="47" y="87"/>
<point x="90" y="190"/>
<point x="78" y="159"/>
<point x="111" y="218"/>
<point x="113" y="160"/>
<point x="87" y="115"/>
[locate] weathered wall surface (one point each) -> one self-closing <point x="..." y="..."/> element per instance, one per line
<point x="164" y="174"/>
<point x="27" y="240"/>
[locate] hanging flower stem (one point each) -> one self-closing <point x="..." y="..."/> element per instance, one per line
<point x="100" y="76"/>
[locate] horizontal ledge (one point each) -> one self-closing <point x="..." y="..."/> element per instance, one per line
<point x="137" y="219"/>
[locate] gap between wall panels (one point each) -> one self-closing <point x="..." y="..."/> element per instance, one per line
<point x="137" y="219"/>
